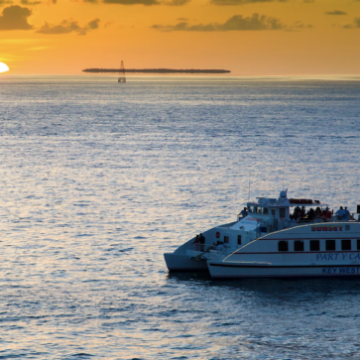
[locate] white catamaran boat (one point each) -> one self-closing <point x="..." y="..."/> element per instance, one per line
<point x="277" y="238"/>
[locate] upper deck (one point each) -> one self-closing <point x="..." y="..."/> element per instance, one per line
<point x="283" y="213"/>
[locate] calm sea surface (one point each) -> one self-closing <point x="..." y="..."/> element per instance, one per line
<point x="99" y="179"/>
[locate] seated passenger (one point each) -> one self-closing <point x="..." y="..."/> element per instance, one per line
<point x="219" y="246"/>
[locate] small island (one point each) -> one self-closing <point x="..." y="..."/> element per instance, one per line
<point x="160" y="71"/>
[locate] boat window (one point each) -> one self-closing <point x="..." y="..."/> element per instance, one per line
<point x="266" y="211"/>
<point x="283" y="246"/>
<point x="358" y="244"/>
<point x="273" y="212"/>
<point x="345" y="245"/>
<point x="298" y="245"/>
<point x="255" y="209"/>
<point x="330" y="245"/>
<point x="239" y="239"/>
<point x="314" y="245"/>
<point x="259" y="210"/>
<point x="251" y="208"/>
<point x="282" y="213"/>
<point x="226" y="239"/>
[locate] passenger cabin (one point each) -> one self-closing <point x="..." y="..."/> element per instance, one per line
<point x="278" y="214"/>
<point x="265" y="216"/>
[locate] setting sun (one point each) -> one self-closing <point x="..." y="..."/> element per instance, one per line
<point x="3" y="67"/>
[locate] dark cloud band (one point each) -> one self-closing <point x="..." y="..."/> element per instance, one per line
<point x="336" y="12"/>
<point x="235" y="23"/>
<point x="139" y="2"/>
<point x="67" y="27"/>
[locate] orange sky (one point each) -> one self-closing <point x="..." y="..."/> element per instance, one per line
<point x="293" y="37"/>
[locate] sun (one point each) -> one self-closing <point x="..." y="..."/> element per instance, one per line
<point x="3" y="67"/>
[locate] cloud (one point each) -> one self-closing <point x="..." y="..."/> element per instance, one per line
<point x="354" y="25"/>
<point x="174" y="2"/>
<point x="94" y="24"/>
<point x="140" y="2"/>
<point x="241" y="2"/>
<point x="244" y="2"/>
<point x="300" y="25"/>
<point x="235" y="23"/>
<point x="27" y="2"/>
<point x="5" y="2"/>
<point x="15" y="17"/>
<point x="336" y="12"/>
<point x="67" y="27"/>
<point x="131" y="2"/>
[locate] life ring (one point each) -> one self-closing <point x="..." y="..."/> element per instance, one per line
<point x="217" y="235"/>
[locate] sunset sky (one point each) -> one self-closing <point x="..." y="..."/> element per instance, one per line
<point x="248" y="37"/>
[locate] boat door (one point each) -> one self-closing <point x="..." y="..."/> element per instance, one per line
<point x="282" y="217"/>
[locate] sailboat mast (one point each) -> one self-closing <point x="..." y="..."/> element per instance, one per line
<point x="122" y="77"/>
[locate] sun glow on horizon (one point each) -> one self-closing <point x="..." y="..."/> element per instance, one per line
<point x="3" y="67"/>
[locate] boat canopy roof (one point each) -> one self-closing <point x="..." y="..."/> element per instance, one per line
<point x="283" y="200"/>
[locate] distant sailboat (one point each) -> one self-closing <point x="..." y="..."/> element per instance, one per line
<point x="122" y="78"/>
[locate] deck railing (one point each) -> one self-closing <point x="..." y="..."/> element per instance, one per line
<point x="207" y="247"/>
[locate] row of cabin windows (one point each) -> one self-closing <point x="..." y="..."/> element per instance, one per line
<point x="330" y="245"/>
<point x="226" y="239"/>
<point x="262" y="210"/>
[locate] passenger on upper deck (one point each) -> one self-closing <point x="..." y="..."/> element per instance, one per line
<point x="340" y="213"/>
<point x="302" y="211"/>
<point x="311" y="214"/>
<point x="244" y="212"/>
<point x="346" y="214"/>
<point x="318" y="213"/>
<point x="297" y="213"/>
<point x="326" y="214"/>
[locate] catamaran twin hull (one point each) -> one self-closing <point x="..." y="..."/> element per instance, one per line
<point x="273" y="241"/>
<point x="316" y="250"/>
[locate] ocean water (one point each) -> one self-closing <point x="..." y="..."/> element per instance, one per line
<point x="99" y="179"/>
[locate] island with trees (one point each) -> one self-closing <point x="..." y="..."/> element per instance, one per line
<point x="160" y="71"/>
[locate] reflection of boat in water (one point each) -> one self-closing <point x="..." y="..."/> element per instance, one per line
<point x="274" y="241"/>
<point x="122" y="78"/>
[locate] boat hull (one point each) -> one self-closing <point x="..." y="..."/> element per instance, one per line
<point x="176" y="262"/>
<point x="221" y="270"/>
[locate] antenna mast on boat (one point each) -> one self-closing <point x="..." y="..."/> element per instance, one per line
<point x="122" y="78"/>
<point x="249" y="187"/>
